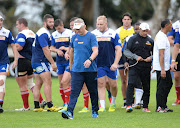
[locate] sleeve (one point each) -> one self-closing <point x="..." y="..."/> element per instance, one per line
<point x="71" y="43"/>
<point x="94" y="42"/>
<point x="117" y="40"/>
<point x="52" y="41"/>
<point x="172" y="32"/>
<point x="117" y="31"/>
<point x="21" y="39"/>
<point x="177" y="39"/>
<point x="43" y="40"/>
<point x="124" y="45"/>
<point x="127" y="51"/>
<point x="160" y="41"/>
<point x="11" y="38"/>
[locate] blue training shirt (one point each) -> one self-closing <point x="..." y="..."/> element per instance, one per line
<point x="107" y="42"/>
<point x="5" y="39"/>
<point x="25" y="38"/>
<point x="175" y="31"/>
<point x="61" y="39"/>
<point x="82" y="51"/>
<point x="43" y="39"/>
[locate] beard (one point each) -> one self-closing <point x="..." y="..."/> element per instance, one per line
<point x="48" y="27"/>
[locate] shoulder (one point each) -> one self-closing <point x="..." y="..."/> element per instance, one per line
<point x="43" y="31"/>
<point x="118" y="30"/>
<point x="54" y="33"/>
<point x="5" y="32"/>
<point x="95" y="32"/>
<point x="176" y="25"/>
<point x="27" y="33"/>
<point x="127" y="38"/>
<point x="111" y="32"/>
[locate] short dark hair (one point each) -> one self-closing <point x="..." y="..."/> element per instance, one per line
<point x="137" y="23"/>
<point x="127" y="14"/>
<point x="47" y="16"/>
<point x="164" y="22"/>
<point x="22" y="21"/>
<point x="58" y="22"/>
<point x="73" y="19"/>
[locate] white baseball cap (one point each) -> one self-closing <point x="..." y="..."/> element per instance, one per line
<point x="1" y="17"/>
<point x="78" y="23"/>
<point x="144" y="26"/>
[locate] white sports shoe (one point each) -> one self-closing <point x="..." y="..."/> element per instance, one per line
<point x="22" y="109"/>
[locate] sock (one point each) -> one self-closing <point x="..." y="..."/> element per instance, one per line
<point x="177" y="87"/>
<point x="109" y="96"/>
<point x="113" y="100"/>
<point x="40" y="98"/>
<point x="86" y="99"/>
<point x="62" y="94"/>
<point x="139" y="93"/>
<point x="1" y="103"/>
<point x="67" y="93"/>
<point x="124" y="101"/>
<point x="102" y="102"/>
<point x="25" y="95"/>
<point x="49" y="104"/>
<point x="36" y="104"/>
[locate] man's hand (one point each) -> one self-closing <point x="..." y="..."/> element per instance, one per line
<point x="54" y="67"/>
<point x="139" y="58"/>
<point x="62" y="48"/>
<point x="60" y="53"/>
<point x="14" y="64"/>
<point x="126" y="65"/>
<point x="163" y="74"/>
<point x="87" y="63"/>
<point x="148" y="59"/>
<point x="173" y="66"/>
<point x="66" y="56"/>
<point x="113" y="67"/>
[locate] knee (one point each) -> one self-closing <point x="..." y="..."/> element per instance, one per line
<point x="101" y="84"/>
<point x="177" y="78"/>
<point x="1" y="82"/>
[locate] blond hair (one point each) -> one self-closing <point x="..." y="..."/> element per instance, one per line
<point x="103" y="17"/>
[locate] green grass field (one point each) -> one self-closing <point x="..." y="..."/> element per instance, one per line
<point x="117" y="119"/>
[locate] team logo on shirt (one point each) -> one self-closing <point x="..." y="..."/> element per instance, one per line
<point x="80" y="42"/>
<point x="39" y="69"/>
<point x="62" y="40"/>
<point x="177" y="29"/>
<point x="119" y="41"/>
<point x="21" y="40"/>
<point x="76" y="39"/>
<point x="2" y="38"/>
<point x="104" y="39"/>
<point x="148" y="43"/>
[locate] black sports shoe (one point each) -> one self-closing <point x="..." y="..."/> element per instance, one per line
<point x="168" y="110"/>
<point x="1" y="110"/>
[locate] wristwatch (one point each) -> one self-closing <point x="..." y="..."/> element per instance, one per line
<point x="90" y="59"/>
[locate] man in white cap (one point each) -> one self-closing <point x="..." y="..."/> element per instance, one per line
<point x="6" y="38"/>
<point x="139" y="52"/>
<point x="83" y="53"/>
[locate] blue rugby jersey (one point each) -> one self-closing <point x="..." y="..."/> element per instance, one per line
<point x="43" y="39"/>
<point x="82" y="51"/>
<point x="175" y="29"/>
<point x="25" y="38"/>
<point x="107" y="42"/>
<point x="61" y="39"/>
<point x="5" y="39"/>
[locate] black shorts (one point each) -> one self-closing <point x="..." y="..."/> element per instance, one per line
<point x="178" y="62"/>
<point x="24" y="67"/>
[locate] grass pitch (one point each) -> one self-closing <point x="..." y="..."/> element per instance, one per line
<point x="117" y="119"/>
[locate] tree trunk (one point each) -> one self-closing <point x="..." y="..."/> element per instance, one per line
<point x="161" y="8"/>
